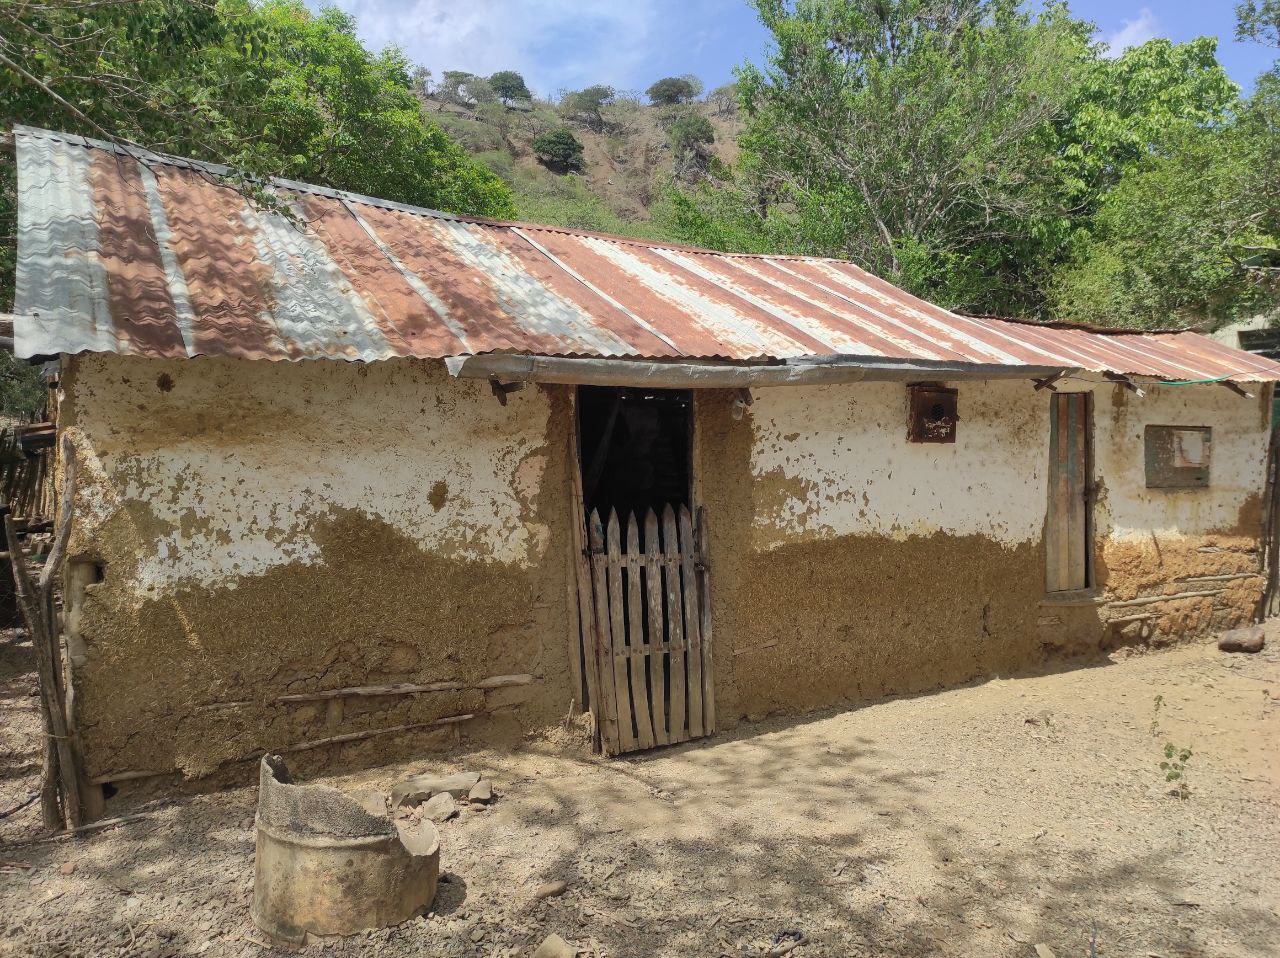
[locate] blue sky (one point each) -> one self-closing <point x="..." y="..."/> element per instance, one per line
<point x="565" y="44"/>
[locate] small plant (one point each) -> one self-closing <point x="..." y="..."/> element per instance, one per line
<point x="1175" y="769"/>
<point x="1155" y="716"/>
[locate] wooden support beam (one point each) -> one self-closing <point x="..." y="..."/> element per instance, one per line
<point x="1237" y="389"/>
<point x="1048" y="381"/>
<point x="1126" y="382"/>
<point x="501" y="389"/>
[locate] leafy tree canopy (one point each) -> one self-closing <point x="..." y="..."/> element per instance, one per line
<point x="672" y="90"/>
<point x="587" y="105"/>
<point x="509" y="85"/>
<point x="1259" y="20"/>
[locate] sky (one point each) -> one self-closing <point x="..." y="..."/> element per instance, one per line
<point x="627" y="44"/>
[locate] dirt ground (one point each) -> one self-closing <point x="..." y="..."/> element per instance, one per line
<point x="979" y="821"/>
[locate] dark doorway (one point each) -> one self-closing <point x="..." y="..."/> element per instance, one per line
<point x="635" y="448"/>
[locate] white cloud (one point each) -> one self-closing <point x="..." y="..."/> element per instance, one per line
<point x="554" y="43"/>
<point x="1132" y="33"/>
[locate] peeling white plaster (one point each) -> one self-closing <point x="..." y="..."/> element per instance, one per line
<point x="240" y="461"/>
<point x="840" y="457"/>
<point x="847" y="446"/>
<point x="1237" y="468"/>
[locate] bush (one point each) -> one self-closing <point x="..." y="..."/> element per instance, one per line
<point x="559" y="149"/>
<point x="689" y="134"/>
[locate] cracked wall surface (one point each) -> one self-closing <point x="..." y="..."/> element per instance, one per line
<point x="268" y="529"/>
<point x="275" y="529"/>
<point x="850" y="564"/>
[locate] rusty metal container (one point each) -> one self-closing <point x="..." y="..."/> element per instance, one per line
<point x="327" y="866"/>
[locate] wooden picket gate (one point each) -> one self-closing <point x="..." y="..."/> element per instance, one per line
<point x="652" y="655"/>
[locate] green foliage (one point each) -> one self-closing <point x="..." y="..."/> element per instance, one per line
<point x="671" y="90"/>
<point x="1259" y="21"/>
<point x="1126" y="108"/>
<point x="271" y="88"/>
<point x="1174" y="767"/>
<point x="690" y="135"/>
<point x="1174" y="240"/>
<point x="509" y="85"/>
<point x="915" y="150"/>
<point x="559" y="149"/>
<point x="22" y="389"/>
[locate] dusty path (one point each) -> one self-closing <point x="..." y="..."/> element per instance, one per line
<point x="979" y="821"/>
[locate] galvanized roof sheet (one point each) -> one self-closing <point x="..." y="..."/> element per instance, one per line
<point x="120" y="250"/>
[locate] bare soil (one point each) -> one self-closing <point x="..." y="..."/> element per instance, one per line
<point x="979" y="821"/>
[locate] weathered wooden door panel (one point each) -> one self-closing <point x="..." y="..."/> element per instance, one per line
<point x="653" y="648"/>
<point x="1068" y="529"/>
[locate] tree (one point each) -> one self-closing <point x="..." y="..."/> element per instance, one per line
<point x="905" y="134"/>
<point x="724" y="99"/>
<point x="961" y="148"/>
<point x="586" y="106"/>
<point x="1178" y="240"/>
<point x="671" y="90"/>
<point x="1259" y="20"/>
<point x="509" y="85"/>
<point x="559" y="149"/>
<point x="452" y="88"/>
<point x="1123" y="109"/>
<point x="270" y="89"/>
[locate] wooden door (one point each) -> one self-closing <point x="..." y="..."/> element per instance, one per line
<point x="652" y="655"/>
<point x="1068" y="531"/>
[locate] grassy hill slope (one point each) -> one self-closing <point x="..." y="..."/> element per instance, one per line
<point x="627" y="158"/>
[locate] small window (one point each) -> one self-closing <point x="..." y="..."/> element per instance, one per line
<point x="1178" y="456"/>
<point x="933" y="413"/>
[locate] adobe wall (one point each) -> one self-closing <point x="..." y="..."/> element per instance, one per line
<point x="273" y="529"/>
<point x="848" y="563"/>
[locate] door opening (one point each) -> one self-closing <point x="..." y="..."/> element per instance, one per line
<point x="635" y="448"/>
<point x="1069" y="527"/>
<point x="643" y="584"/>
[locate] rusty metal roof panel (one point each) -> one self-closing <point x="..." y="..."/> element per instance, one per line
<point x="120" y="250"/>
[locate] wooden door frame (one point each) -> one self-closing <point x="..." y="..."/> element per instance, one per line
<point x="584" y="635"/>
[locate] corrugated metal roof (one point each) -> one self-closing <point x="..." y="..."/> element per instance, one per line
<point x="130" y="252"/>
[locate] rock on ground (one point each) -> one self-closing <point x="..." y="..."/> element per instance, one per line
<point x="1251" y="638"/>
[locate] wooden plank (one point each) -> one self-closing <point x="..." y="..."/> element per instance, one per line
<point x="575" y="633"/>
<point x="584" y="656"/>
<point x="1059" y="580"/>
<point x="618" y="630"/>
<point x="1051" y="582"/>
<point x="692" y="629"/>
<point x="656" y="657"/>
<point x="608" y="712"/>
<point x="704" y="612"/>
<point x="1075" y="540"/>
<point x="675" y="623"/>
<point x="635" y="636"/>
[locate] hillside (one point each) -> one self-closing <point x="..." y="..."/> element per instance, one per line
<point x="628" y="156"/>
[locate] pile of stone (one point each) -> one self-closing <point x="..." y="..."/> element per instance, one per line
<point x="439" y="798"/>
